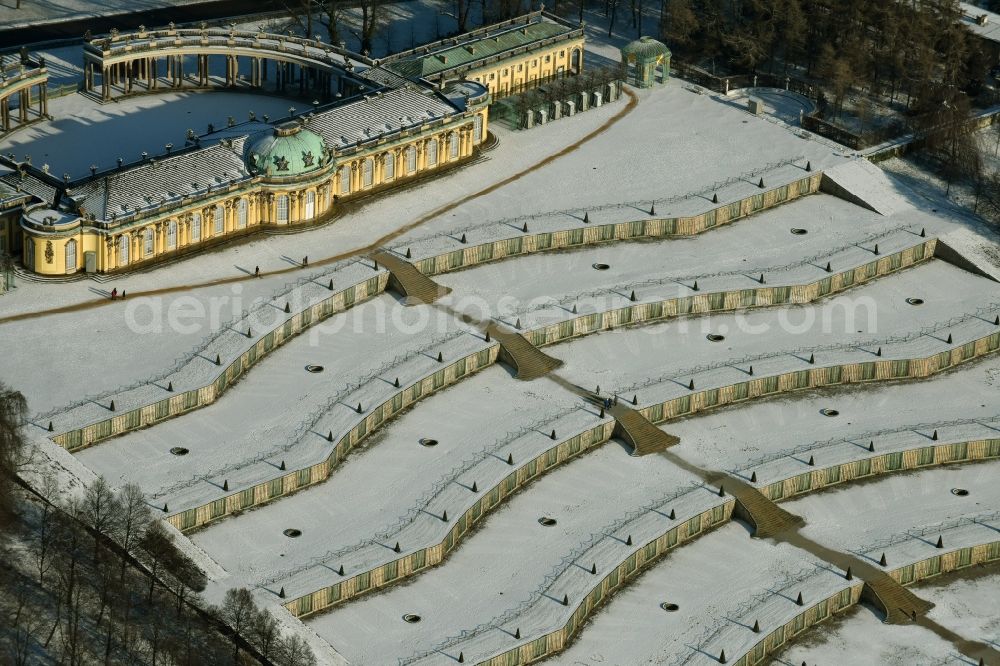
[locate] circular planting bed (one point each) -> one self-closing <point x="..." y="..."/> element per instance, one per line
<point x="179" y="451"/>
<point x="411" y="618"/>
<point x="961" y="492"/>
<point x="428" y="442"/>
<point x="545" y="521"/>
<point x="601" y="267"/>
<point x="314" y="368"/>
<point x="829" y="412"/>
<point x="715" y="337"/>
<point x="915" y="301"/>
<point x="670" y="608"/>
<point x="292" y="532"/>
<point x="799" y="232"/>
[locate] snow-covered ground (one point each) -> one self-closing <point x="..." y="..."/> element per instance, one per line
<point x="33" y="13"/>
<point x="503" y="563"/>
<point x="355" y="502"/>
<point x="876" y="311"/>
<point x="709" y="579"/>
<point x="858" y="517"/>
<point x="859" y="637"/>
<point x="730" y="438"/>
<point x="964" y="603"/>
<point x="85" y="132"/>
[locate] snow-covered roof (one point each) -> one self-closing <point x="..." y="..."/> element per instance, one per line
<point x="31" y="184"/>
<point x="158" y="181"/>
<point x="989" y="30"/>
<point x="371" y="116"/>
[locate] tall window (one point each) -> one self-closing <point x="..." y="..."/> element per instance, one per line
<point x="453" y="145"/>
<point x="432" y="152"/>
<point x="122" y="250"/>
<point x="310" y="204"/>
<point x="147" y="241"/>
<point x="477" y="129"/>
<point x="390" y="166"/>
<point x="71" y="255"/>
<point x="171" y="234"/>
<point x="220" y="220"/>
<point x="241" y="214"/>
<point x="196" y="227"/>
<point x="283" y="208"/>
<point x="411" y="159"/>
<point x="345" y="179"/>
<point x="368" y="172"/>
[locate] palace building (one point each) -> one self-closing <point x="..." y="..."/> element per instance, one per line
<point x="372" y="126"/>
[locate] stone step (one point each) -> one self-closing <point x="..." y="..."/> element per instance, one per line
<point x="637" y="430"/>
<point x="407" y="280"/>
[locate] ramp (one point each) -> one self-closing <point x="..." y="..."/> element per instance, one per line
<point x="863" y="184"/>
<point x="637" y="430"/>
<point x="529" y="361"/>
<point x="899" y="604"/>
<point x="767" y="517"/>
<point x="970" y="252"/>
<point x="405" y="279"/>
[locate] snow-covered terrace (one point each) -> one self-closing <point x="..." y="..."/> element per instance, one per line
<point x="797" y="260"/>
<point x="964" y="605"/>
<point x="197" y="368"/>
<point x="728" y="439"/>
<point x="773" y="604"/>
<point x="305" y="442"/>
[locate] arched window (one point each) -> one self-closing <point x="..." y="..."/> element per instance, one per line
<point x="220" y="220"/>
<point x="432" y="152"/>
<point x="390" y="166"/>
<point x="172" y="234"/>
<point x="196" y="227"/>
<point x="123" y="245"/>
<point x="283" y="208"/>
<point x="368" y="172"/>
<point x="477" y="128"/>
<point x="71" y="255"/>
<point x="454" y="143"/>
<point x="345" y="179"/>
<point x="147" y="241"/>
<point x="411" y="159"/>
<point x="241" y="214"/>
<point x="29" y="253"/>
<point x="310" y="205"/>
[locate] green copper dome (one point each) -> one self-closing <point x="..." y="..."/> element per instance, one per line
<point x="645" y="48"/>
<point x="289" y="151"/>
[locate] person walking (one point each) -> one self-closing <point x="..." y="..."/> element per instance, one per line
<point x="114" y="293"/>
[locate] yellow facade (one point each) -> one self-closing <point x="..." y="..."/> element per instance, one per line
<point x="510" y="76"/>
<point x="60" y="248"/>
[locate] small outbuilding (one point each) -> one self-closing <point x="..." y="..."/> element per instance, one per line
<point x="646" y="62"/>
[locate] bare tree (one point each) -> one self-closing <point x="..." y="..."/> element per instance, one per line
<point x="99" y="510"/>
<point x="131" y="519"/>
<point x="294" y="651"/>
<point x="264" y="633"/>
<point x="372" y="17"/>
<point x="13" y="456"/>
<point x="238" y="611"/>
